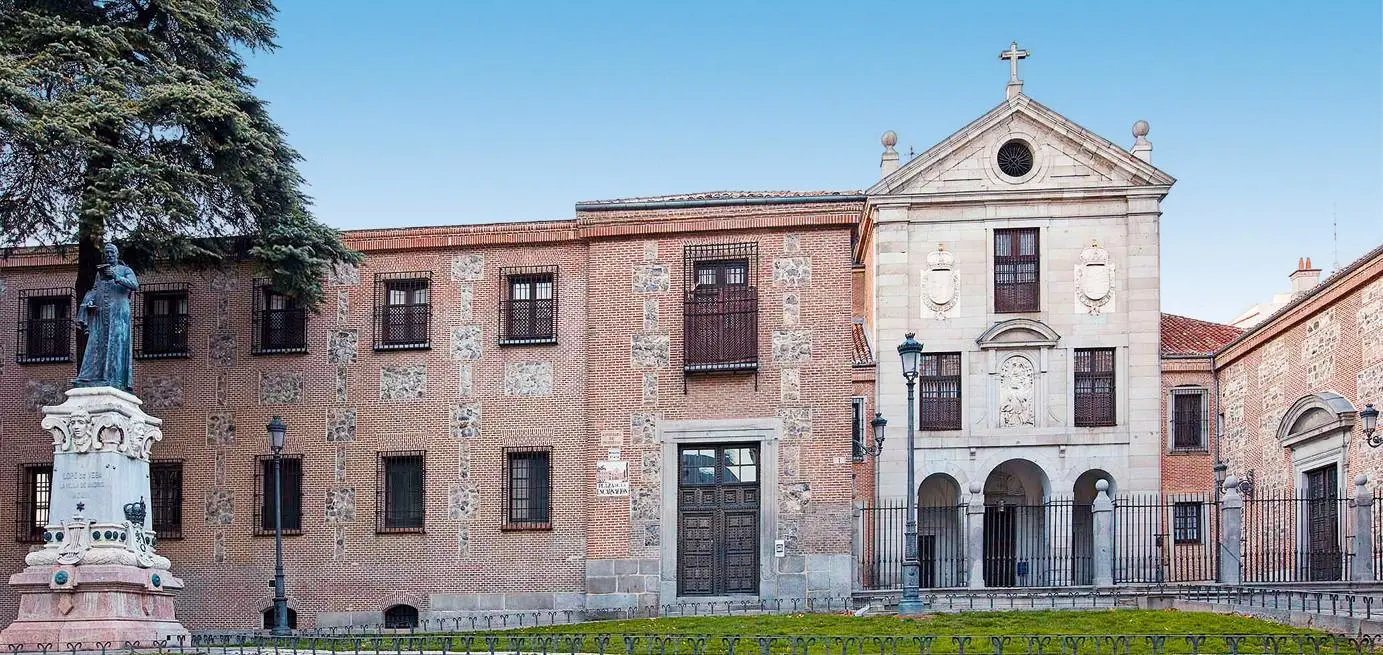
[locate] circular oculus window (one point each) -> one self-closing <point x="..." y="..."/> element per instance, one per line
<point x="1015" y="158"/>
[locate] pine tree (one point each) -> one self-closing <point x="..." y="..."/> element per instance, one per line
<point x="135" y="121"/>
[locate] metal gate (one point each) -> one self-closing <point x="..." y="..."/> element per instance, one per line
<point x="718" y="520"/>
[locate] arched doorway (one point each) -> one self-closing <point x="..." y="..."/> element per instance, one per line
<point x="1016" y="549"/>
<point x="940" y="538"/>
<point x="1083" y="526"/>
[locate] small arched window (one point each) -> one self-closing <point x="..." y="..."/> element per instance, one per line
<point x="268" y="616"/>
<point x="401" y="616"/>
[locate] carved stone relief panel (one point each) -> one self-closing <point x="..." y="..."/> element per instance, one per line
<point x="1094" y="281"/>
<point x="1017" y="385"/>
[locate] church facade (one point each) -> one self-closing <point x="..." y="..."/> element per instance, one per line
<point x="1023" y="252"/>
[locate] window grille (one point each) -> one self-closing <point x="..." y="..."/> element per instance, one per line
<point x="161" y="321"/>
<point x="403" y="310"/>
<point x="857" y="429"/>
<point x="268" y="618"/>
<point x="165" y="492"/>
<point x="1017" y="268"/>
<point x="720" y="308"/>
<point x="528" y="305"/>
<point x="1186" y="523"/>
<point x="527" y="493"/>
<point x="45" y="326"/>
<point x="280" y="322"/>
<point x="1190" y="419"/>
<point x="938" y="389"/>
<point x="399" y="485"/>
<point x="292" y="494"/>
<point x="401" y="617"/>
<point x="1094" y="378"/>
<point x="34" y="494"/>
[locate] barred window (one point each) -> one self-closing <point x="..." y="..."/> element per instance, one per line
<point x="528" y="305"/>
<point x="1016" y="270"/>
<point x="1186" y="523"/>
<point x="280" y="322"/>
<point x="292" y="493"/>
<point x="528" y="488"/>
<point x="857" y="429"/>
<point x="1190" y="419"/>
<point x="34" y="494"/>
<point x="45" y="326"/>
<point x="165" y="491"/>
<point x="403" y="310"/>
<point x="938" y="388"/>
<point x="399" y="491"/>
<point x="1094" y="379"/>
<point x="161" y="321"/>
<point x="720" y="312"/>
<point x="401" y="617"/>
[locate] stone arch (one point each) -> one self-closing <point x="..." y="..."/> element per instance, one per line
<point x="1033" y="486"/>
<point x="1316" y="415"/>
<point x="400" y="617"/>
<point x="1018" y="333"/>
<point x="1083" y="494"/>
<point x="940" y="532"/>
<point x="266" y="617"/>
<point x="1016" y="542"/>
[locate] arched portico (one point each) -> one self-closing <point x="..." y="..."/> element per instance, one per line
<point x="1016" y="546"/>
<point x="940" y="532"/>
<point x="1083" y="525"/>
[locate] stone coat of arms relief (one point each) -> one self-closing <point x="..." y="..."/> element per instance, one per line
<point x="1094" y="281"/>
<point x="940" y="282"/>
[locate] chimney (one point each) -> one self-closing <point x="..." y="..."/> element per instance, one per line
<point x="1305" y="277"/>
<point x="889" y="161"/>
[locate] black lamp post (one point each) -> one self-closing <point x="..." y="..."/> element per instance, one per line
<point x="876" y="425"/>
<point x="277" y="428"/>
<point x="910" y="351"/>
<point x="1370" y="418"/>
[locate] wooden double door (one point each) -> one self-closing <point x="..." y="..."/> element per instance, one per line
<point x="718" y="520"/>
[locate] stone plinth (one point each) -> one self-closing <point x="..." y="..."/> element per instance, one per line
<point x="97" y="578"/>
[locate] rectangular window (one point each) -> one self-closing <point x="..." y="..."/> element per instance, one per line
<point x="45" y="326"/>
<point x="857" y="429"/>
<point x="1016" y="270"/>
<point x="1094" y="378"/>
<point x="292" y="494"/>
<point x="399" y="492"/>
<point x="528" y="305"/>
<point x="1190" y="420"/>
<point x="528" y="488"/>
<point x="403" y="310"/>
<point x="165" y="491"/>
<point x="280" y="322"/>
<point x="938" y="389"/>
<point x="161" y="321"/>
<point x="1186" y="523"/>
<point x="720" y="311"/>
<point x="34" y="494"/>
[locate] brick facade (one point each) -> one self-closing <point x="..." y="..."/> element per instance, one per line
<point x="614" y="375"/>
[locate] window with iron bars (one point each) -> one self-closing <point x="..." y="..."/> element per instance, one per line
<point x="165" y="494"/>
<point x="857" y="429"/>
<point x="45" y="326"/>
<point x="401" y="617"/>
<point x="161" y="321"/>
<point x="403" y="310"/>
<point x="280" y="322"/>
<point x="34" y="493"/>
<point x="292" y="493"/>
<point x="1186" y="523"/>
<point x="721" y="308"/>
<point x="399" y="485"/>
<point x="1094" y="379"/>
<point x="528" y="305"/>
<point x="1017" y="265"/>
<point x="527" y="494"/>
<point x="1190" y="419"/>
<point x="938" y="392"/>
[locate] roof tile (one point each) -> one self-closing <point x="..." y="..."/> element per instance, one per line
<point x="1188" y="336"/>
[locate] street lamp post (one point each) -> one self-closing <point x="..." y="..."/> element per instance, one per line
<point x="277" y="428"/>
<point x="1370" y="418"/>
<point x="910" y="352"/>
<point x="877" y="425"/>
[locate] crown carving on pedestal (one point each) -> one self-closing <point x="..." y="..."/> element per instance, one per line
<point x="1094" y="254"/>
<point x="939" y="258"/>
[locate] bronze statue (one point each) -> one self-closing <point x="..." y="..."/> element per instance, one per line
<point x="105" y="316"/>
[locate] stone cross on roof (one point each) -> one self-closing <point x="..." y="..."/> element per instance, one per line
<point x="1013" y="54"/>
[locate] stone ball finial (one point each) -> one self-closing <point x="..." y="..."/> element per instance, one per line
<point x="1102" y="485"/>
<point x="889" y="139"/>
<point x="1232" y="483"/>
<point x="1140" y="128"/>
<point x="1361" y="480"/>
<point x="975" y="487"/>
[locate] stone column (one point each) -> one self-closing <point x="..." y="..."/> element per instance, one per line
<point x="1361" y="569"/>
<point x="1231" y="532"/>
<point x="974" y="535"/>
<point x="1103" y="527"/>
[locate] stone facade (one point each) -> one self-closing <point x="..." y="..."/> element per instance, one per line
<point x="468" y="400"/>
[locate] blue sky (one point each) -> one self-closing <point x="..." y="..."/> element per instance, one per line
<point x="1269" y="114"/>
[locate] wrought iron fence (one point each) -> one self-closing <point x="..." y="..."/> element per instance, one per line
<point x="1296" y="536"/>
<point x="1165" y="538"/>
<point x="940" y="545"/>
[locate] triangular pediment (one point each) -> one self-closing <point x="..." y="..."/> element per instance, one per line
<point x="1064" y="156"/>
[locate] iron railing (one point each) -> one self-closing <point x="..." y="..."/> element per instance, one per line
<point x="720" y="314"/>
<point x="292" y="495"/>
<point x="403" y="310"/>
<point x="400" y="486"/>
<point x="528" y="305"/>
<point x="526" y="494"/>
<point x="1017" y="270"/>
<point x="940" y="545"/>
<point x="1290" y="536"/>
<point x="44" y="339"/>
<point x="1165" y="538"/>
<point x="165" y="496"/>
<point x="276" y="330"/>
<point x="161" y="321"/>
<point x="34" y="490"/>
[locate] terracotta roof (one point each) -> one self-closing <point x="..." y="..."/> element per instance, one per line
<point x="864" y="355"/>
<point x="725" y="195"/>
<point x="1188" y="336"/>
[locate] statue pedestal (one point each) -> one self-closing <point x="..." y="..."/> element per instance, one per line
<point x="97" y="577"/>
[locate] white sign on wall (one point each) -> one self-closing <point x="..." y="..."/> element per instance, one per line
<point x="612" y="478"/>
